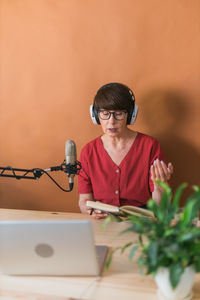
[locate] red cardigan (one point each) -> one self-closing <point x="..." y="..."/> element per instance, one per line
<point x="126" y="184"/>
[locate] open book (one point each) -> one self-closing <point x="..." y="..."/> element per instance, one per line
<point x="122" y="211"/>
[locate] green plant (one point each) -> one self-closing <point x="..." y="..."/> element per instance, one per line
<point x="171" y="240"/>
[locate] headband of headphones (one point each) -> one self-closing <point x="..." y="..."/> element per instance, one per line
<point x="131" y="115"/>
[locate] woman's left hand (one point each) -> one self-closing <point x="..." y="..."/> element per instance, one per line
<point x="161" y="171"/>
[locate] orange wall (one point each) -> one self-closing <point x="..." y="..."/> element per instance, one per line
<point x="54" y="55"/>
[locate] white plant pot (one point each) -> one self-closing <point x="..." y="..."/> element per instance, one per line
<point x="183" y="290"/>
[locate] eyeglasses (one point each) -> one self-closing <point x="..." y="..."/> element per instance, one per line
<point x="118" y="115"/>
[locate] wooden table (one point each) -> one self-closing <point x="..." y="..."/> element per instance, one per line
<point x="121" y="281"/>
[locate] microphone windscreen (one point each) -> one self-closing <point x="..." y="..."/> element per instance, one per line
<point x="70" y="152"/>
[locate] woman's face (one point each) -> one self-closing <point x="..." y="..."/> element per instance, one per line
<point x="115" y="125"/>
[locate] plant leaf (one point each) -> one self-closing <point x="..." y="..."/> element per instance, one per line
<point x="191" y="235"/>
<point x="132" y="252"/>
<point x="175" y="272"/>
<point x="106" y="221"/>
<point x="110" y="255"/>
<point x="154" y="207"/>
<point x="153" y="252"/>
<point x="190" y="210"/>
<point x="125" y="247"/>
<point x="165" y="186"/>
<point x="196" y="188"/>
<point x="109" y="259"/>
<point x="178" y="194"/>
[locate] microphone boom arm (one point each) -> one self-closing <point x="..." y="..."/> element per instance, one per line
<point x="23" y="173"/>
<point x="36" y="173"/>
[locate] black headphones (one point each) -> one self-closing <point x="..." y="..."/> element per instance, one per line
<point x="131" y="115"/>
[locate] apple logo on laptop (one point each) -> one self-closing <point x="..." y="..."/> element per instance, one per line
<point x="44" y="250"/>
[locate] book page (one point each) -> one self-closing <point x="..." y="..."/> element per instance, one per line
<point x="103" y="207"/>
<point x="134" y="210"/>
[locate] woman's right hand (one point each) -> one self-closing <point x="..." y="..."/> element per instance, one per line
<point x="96" y="214"/>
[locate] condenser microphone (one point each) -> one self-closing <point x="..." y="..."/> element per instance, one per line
<point x="70" y="152"/>
<point x="70" y="160"/>
<point x="70" y="165"/>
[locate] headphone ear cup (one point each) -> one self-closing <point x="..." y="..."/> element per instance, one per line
<point x="133" y="115"/>
<point x="94" y="115"/>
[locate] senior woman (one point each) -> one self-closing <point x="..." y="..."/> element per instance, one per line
<point x="120" y="166"/>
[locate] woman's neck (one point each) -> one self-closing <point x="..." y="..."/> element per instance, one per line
<point x="118" y="147"/>
<point x="117" y="141"/>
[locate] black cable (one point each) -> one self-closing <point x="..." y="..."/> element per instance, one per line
<point x="43" y="171"/>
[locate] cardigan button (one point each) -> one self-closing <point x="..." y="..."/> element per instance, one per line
<point x="116" y="192"/>
<point x="117" y="171"/>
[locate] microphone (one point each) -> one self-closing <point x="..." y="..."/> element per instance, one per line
<point x="70" y="165"/>
<point x="70" y="152"/>
<point x="70" y="160"/>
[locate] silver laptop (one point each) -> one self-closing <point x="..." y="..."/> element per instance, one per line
<point x="50" y="247"/>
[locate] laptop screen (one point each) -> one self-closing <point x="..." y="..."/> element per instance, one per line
<point x="49" y="247"/>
